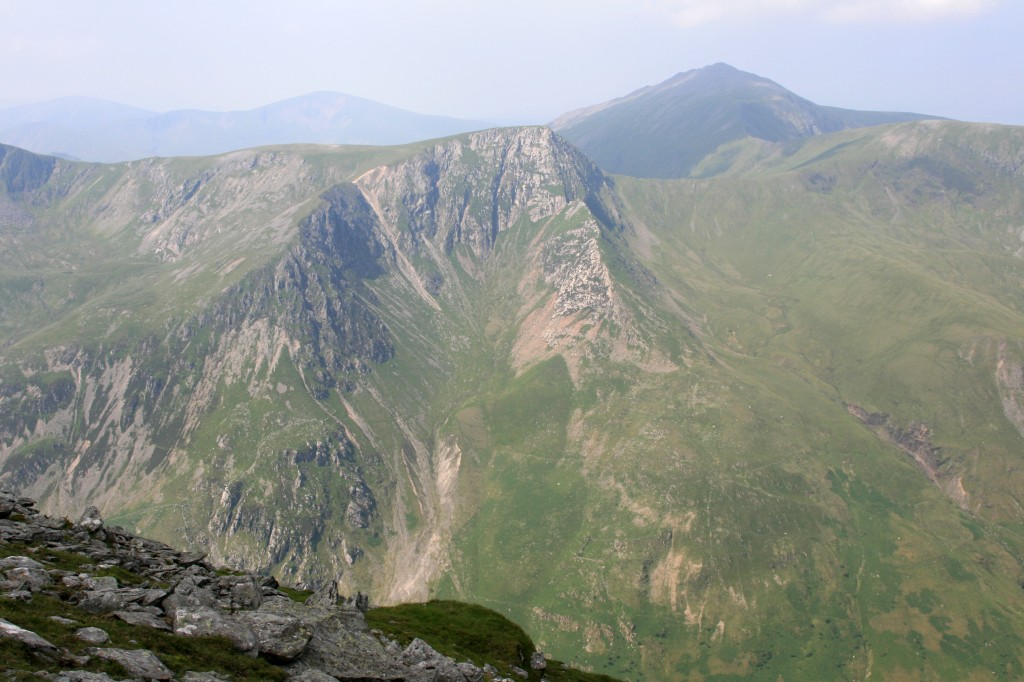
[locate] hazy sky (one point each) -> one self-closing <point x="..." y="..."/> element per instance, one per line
<point x="523" y="61"/>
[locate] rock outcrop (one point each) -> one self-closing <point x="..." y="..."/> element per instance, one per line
<point x="916" y="441"/>
<point x="324" y="639"/>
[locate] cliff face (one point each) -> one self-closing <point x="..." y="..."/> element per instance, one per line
<point x="468" y="190"/>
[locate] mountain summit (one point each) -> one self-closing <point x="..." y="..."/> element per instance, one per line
<point x="664" y="130"/>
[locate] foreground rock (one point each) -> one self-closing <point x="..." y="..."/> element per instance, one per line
<point x="138" y="663"/>
<point x="324" y="639"/>
<point x="10" y="631"/>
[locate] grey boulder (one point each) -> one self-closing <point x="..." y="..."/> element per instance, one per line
<point x="37" y="644"/>
<point x="280" y="636"/>
<point x="137" y="662"/>
<point x="204" y="620"/>
<point x="91" y="520"/>
<point x="142" y="618"/>
<point x="92" y="635"/>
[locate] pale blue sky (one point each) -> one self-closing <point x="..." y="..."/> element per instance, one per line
<point x="525" y="61"/>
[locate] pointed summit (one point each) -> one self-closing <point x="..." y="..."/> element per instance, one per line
<point x="664" y="130"/>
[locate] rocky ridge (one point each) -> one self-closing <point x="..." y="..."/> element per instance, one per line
<point x="916" y="441"/>
<point x="326" y="638"/>
<point x="384" y="245"/>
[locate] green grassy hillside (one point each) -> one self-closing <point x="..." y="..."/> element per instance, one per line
<point x="764" y="425"/>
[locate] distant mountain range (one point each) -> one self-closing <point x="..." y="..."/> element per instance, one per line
<point x="98" y="130"/>
<point x="660" y="131"/>
<point x="664" y="130"/>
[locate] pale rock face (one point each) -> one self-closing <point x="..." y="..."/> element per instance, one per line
<point x="574" y="267"/>
<point x="1010" y="380"/>
<point x="206" y="205"/>
<point x="467" y="191"/>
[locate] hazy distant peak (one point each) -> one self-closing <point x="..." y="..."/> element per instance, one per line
<point x="106" y="131"/>
<point x="312" y="99"/>
<point x="718" y="76"/>
<point x="714" y="73"/>
<point x="665" y="130"/>
<point x="65" y="110"/>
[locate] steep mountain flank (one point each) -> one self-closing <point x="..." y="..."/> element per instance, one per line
<point x="247" y="393"/>
<point x="664" y="130"/>
<point x="618" y="411"/>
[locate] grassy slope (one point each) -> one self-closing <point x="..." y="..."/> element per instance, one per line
<point x="732" y="518"/>
<point x="469" y="632"/>
<point x="886" y="290"/>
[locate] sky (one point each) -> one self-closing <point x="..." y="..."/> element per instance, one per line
<point x="512" y="62"/>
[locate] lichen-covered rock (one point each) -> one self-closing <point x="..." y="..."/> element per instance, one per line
<point x="7" y="503"/>
<point x="192" y="676"/>
<point x="203" y="620"/>
<point x="7" y="563"/>
<point x="311" y="675"/>
<point x="82" y="676"/>
<point x="86" y="582"/>
<point x="324" y="597"/>
<point x="92" y="635"/>
<point x="470" y="672"/>
<point x="418" y="651"/>
<point x="324" y="639"/>
<point x="139" y="663"/>
<point x="427" y="664"/>
<point x="280" y="636"/>
<point x="37" y="644"/>
<point x="108" y="601"/>
<point x="245" y="594"/>
<point x="31" y="579"/>
<point x="145" y="618"/>
<point x="191" y="591"/>
<point x="341" y="644"/>
<point x="91" y="520"/>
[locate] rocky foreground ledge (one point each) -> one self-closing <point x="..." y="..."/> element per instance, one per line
<point x="107" y="575"/>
